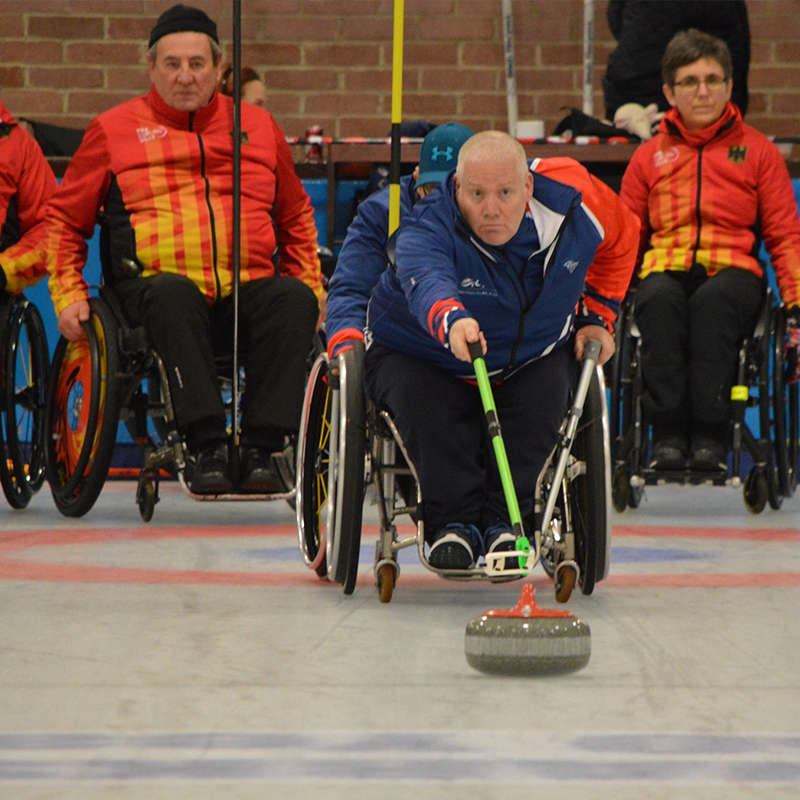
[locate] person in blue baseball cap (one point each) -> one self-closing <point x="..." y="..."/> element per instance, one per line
<point x="362" y="259"/>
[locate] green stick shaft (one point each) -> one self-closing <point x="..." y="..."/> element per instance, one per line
<point x="490" y="409"/>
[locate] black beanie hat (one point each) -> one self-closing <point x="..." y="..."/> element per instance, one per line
<point x="182" y="18"/>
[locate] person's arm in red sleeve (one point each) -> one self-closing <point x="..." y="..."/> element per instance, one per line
<point x="71" y="218"/>
<point x="780" y="223"/>
<point x="293" y="215"/>
<point x="23" y="263"/>
<point x="635" y="193"/>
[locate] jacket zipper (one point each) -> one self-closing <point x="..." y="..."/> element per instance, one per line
<point x="525" y="310"/>
<point x="522" y="295"/>
<point x="217" y="284"/>
<point x="697" y="200"/>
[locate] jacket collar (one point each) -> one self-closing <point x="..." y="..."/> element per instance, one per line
<point x="672" y="124"/>
<point x="187" y="120"/>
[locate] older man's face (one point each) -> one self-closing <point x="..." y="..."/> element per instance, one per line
<point x="493" y="197"/>
<point x="184" y="73"/>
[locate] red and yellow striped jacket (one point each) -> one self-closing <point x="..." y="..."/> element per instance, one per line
<point x="162" y="181"/>
<point x="26" y="185"/>
<point x="706" y="197"/>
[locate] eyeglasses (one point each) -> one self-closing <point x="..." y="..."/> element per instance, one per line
<point x="692" y="84"/>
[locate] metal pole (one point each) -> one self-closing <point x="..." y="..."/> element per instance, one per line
<point x="397" y="115"/>
<point x="237" y="233"/>
<point x="510" y="65"/>
<point x="588" y="57"/>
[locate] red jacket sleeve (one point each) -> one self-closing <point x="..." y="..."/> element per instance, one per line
<point x="635" y="193"/>
<point x="610" y="272"/>
<point x="72" y="215"/>
<point x="294" y="219"/>
<point x="780" y="224"/>
<point x="24" y="261"/>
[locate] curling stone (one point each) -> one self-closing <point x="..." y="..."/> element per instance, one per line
<point x="528" y="640"/>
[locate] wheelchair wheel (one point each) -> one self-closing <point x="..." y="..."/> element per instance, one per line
<point x="620" y="375"/>
<point x="785" y="412"/>
<point x="82" y="413"/>
<point x="590" y="491"/>
<point x="286" y="463"/>
<point x="25" y="364"/>
<point x="755" y="490"/>
<point x="765" y="478"/>
<point x="346" y="473"/>
<point x="628" y="432"/>
<point x="313" y="462"/>
<point x="330" y="469"/>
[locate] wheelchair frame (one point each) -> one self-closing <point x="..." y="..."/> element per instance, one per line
<point x="113" y="375"/>
<point x="761" y="384"/>
<point x="24" y="358"/>
<point x="347" y="444"/>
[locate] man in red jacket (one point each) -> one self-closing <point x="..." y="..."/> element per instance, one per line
<point x="26" y="185"/>
<point x="706" y="188"/>
<point x="160" y="169"/>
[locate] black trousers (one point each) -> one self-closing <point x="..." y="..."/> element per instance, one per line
<point x="692" y="327"/>
<point x="443" y="426"/>
<point x="277" y="319"/>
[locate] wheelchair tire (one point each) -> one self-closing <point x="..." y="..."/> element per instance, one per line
<point x="755" y="491"/>
<point x="286" y="464"/>
<point x="313" y="461"/>
<point x="346" y="475"/>
<point x="590" y="492"/>
<point x="25" y="365"/>
<point x="82" y="413"/>
<point x="619" y="371"/>
<point x="786" y="410"/>
<point x="769" y="455"/>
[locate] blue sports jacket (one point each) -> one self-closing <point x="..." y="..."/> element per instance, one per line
<point x="362" y="260"/>
<point x="579" y="268"/>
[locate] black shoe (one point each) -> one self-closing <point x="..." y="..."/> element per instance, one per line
<point x="669" y="453"/>
<point x="708" y="455"/>
<point x="211" y="471"/>
<point x="259" y="473"/>
<point x="454" y="547"/>
<point x="499" y="538"/>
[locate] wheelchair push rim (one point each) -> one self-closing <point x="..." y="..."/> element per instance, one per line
<point x="25" y="366"/>
<point x="82" y="412"/>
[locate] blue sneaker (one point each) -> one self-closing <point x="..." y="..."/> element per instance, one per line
<point x="454" y="547"/>
<point x="499" y="538"/>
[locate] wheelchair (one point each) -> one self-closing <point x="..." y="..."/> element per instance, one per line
<point x="24" y="357"/>
<point x="113" y="375"/>
<point x="347" y="445"/>
<point x="772" y="445"/>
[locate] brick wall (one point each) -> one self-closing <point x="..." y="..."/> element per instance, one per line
<point x="329" y="62"/>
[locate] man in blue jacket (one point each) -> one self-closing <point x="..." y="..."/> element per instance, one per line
<point x="362" y="259"/>
<point x="524" y="264"/>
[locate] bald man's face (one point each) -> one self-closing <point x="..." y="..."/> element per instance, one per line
<point x="493" y="197"/>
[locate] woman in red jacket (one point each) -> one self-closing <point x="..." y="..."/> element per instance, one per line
<point x="707" y="189"/>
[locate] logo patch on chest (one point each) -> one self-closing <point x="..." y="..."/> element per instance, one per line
<point x="737" y="153"/>
<point x="475" y="286"/>
<point x="151" y="134"/>
<point x="663" y="157"/>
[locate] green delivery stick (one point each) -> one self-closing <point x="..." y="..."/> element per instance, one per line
<point x="492" y="420"/>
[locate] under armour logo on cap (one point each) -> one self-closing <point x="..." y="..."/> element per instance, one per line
<point x="439" y="151"/>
